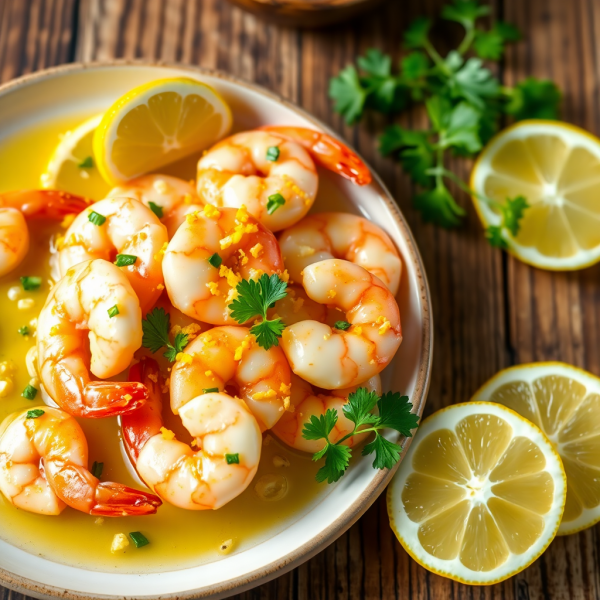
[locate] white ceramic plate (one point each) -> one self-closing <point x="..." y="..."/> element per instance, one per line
<point x="89" y="89"/>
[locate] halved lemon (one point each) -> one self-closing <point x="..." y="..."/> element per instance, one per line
<point x="479" y="495"/>
<point x="72" y="168"/>
<point x="156" y="124"/>
<point x="564" y="402"/>
<point x="556" y="167"/>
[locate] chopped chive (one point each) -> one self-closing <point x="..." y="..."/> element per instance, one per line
<point x="232" y="459"/>
<point x="35" y="413"/>
<point x="97" y="469"/>
<point x="124" y="260"/>
<point x="157" y="209"/>
<point x="209" y="390"/>
<point x="215" y="260"/>
<point x="30" y="283"/>
<point x="24" y="330"/>
<point x="113" y="311"/>
<point x="343" y="325"/>
<point x="86" y="163"/>
<point x="274" y="202"/>
<point x="96" y="218"/>
<point x="29" y="392"/>
<point x="273" y="153"/>
<point x="139" y="539"/>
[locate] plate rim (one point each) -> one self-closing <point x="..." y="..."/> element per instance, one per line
<point x="369" y="494"/>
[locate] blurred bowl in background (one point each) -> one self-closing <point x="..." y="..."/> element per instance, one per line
<point x="307" y="13"/>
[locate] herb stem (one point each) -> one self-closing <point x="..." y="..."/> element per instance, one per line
<point x="467" y="41"/>
<point x="435" y="57"/>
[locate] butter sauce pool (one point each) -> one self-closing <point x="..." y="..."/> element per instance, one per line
<point x="178" y="538"/>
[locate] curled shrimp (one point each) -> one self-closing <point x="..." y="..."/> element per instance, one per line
<point x="229" y="359"/>
<point x="341" y="235"/>
<point x="333" y="358"/>
<point x="128" y="228"/>
<point x="19" y="206"/>
<point x="297" y="306"/>
<point x="226" y="435"/>
<point x="305" y="402"/>
<point x="43" y="469"/>
<point x="244" y="249"/>
<point x="169" y="197"/>
<point x="94" y="301"/>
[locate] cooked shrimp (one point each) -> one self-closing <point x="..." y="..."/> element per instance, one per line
<point x="341" y="235"/>
<point x="256" y="167"/>
<point x="228" y="358"/>
<point x="297" y="306"/>
<point x="170" y="196"/>
<point x="93" y="300"/>
<point x="305" y="403"/>
<point x="245" y="249"/>
<point x="336" y="358"/>
<point x="17" y="207"/>
<point x="226" y="435"/>
<point x="128" y="228"/>
<point x="43" y="469"/>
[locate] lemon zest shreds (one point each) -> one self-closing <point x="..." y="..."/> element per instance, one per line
<point x="232" y="278"/>
<point x="242" y="214"/>
<point x="213" y="287"/>
<point x="167" y="434"/>
<point x="285" y="388"/>
<point x="383" y="323"/>
<point x="210" y="211"/>
<point x="243" y="346"/>
<point x="243" y="258"/>
<point x="331" y="294"/>
<point x="256" y="250"/>
<point x="304" y="251"/>
<point x="192" y="217"/>
<point x="264" y="395"/>
<point x="357" y="330"/>
<point x="184" y="357"/>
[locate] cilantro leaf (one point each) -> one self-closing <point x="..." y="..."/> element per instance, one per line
<point x="534" y="99"/>
<point x="438" y="206"/>
<point x="395" y="413"/>
<point x="348" y="94"/>
<point x="321" y="426"/>
<point x="359" y="406"/>
<point x="387" y="454"/>
<point x="155" y="329"/>
<point x="471" y="80"/>
<point x="488" y="44"/>
<point x="493" y="235"/>
<point x="375" y="63"/>
<point x="253" y="300"/>
<point x="512" y="211"/>
<point x="465" y="12"/>
<point x="179" y="344"/>
<point x="416" y="34"/>
<point x="462" y="129"/>
<point x="337" y="460"/>
<point x="414" y="67"/>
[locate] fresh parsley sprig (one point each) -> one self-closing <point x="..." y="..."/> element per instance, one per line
<point x="464" y="103"/>
<point x="156" y="328"/>
<point x="394" y="413"/>
<point x="254" y="300"/>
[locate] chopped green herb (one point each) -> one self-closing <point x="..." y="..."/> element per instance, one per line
<point x="31" y="283"/>
<point x="343" y="325"/>
<point x="274" y="202"/>
<point x="232" y="459"/>
<point x="254" y="300"/>
<point x="215" y="260"/>
<point x="113" y="311"/>
<point x="157" y="209"/>
<point x="139" y="539"/>
<point x="125" y="260"/>
<point x="35" y="413"/>
<point x="29" y="392"/>
<point x="24" y="330"/>
<point x="156" y="327"/>
<point x="273" y="153"/>
<point x="86" y="163"/>
<point x="96" y="218"/>
<point x="210" y="390"/>
<point x="97" y="469"/>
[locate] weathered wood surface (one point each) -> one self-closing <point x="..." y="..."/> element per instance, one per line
<point x="490" y="310"/>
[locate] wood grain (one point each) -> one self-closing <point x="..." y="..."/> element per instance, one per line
<point x="490" y="310"/>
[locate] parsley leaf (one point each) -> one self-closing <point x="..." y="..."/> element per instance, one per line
<point x="490" y="44"/>
<point x="534" y="99"/>
<point x="156" y="328"/>
<point x="438" y="206"/>
<point x="348" y="94"/>
<point x="465" y="12"/>
<point x="416" y="34"/>
<point x="512" y="211"/>
<point x="394" y="412"/>
<point x="471" y="80"/>
<point x="253" y="300"/>
<point x="493" y="235"/>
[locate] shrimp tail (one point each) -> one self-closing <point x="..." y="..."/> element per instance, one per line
<point x="117" y="500"/>
<point x="139" y="426"/>
<point x="44" y="204"/>
<point x="327" y="152"/>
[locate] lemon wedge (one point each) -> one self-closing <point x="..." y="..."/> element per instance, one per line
<point x="156" y="124"/>
<point x="564" y="402"/>
<point x="556" y="167"/>
<point x="479" y="495"/>
<point x="72" y="168"/>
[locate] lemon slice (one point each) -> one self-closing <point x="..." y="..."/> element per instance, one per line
<point x="156" y="124"/>
<point x="479" y="495"/>
<point x="557" y="168"/>
<point x="564" y="402"/>
<point x="71" y="167"/>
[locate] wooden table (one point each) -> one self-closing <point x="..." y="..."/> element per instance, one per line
<point x="491" y="311"/>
